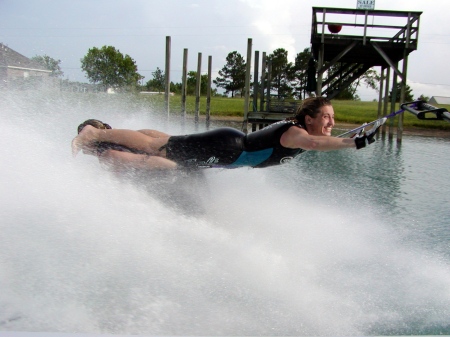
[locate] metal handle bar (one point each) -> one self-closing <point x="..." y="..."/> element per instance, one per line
<point x="422" y="109"/>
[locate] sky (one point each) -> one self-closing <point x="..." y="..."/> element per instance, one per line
<point x="66" y="29"/>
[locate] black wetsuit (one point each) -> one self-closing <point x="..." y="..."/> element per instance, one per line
<point x="225" y="147"/>
<point x="231" y="148"/>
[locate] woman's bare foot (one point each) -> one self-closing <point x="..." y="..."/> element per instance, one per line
<point x="86" y="141"/>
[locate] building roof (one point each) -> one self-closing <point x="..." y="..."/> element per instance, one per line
<point x="440" y="100"/>
<point x="11" y="58"/>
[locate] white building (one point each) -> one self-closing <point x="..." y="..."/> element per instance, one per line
<point x="17" y="70"/>
<point x="439" y="100"/>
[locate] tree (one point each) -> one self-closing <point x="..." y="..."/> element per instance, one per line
<point x="50" y="64"/>
<point x="282" y="73"/>
<point x="423" y="98"/>
<point x="232" y="75"/>
<point x="110" y="68"/>
<point x="303" y="63"/>
<point x="158" y="82"/>
<point x="371" y="78"/>
<point x="191" y="83"/>
<point x="408" y="93"/>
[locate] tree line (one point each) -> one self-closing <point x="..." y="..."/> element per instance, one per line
<point x="108" y="67"/>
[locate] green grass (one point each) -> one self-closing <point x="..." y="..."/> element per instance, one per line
<point x="353" y="112"/>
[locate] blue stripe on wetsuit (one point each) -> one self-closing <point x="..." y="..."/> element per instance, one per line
<point x="252" y="158"/>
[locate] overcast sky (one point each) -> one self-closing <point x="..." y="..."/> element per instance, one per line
<point x="66" y="29"/>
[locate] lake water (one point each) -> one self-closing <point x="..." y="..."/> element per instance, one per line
<point x="339" y="243"/>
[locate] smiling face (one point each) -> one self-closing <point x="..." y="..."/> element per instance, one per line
<point x="322" y="123"/>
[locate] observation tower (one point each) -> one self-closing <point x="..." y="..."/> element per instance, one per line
<point x="345" y="43"/>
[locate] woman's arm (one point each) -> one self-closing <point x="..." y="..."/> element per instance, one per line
<point x="89" y="137"/>
<point x="297" y="138"/>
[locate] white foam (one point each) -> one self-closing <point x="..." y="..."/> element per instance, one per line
<point x="84" y="252"/>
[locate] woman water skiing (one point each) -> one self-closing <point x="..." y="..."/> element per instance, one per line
<point x="309" y="129"/>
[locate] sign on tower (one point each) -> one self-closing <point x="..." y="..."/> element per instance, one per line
<point x="365" y="4"/>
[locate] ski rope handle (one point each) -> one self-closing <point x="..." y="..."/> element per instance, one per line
<point x="414" y="105"/>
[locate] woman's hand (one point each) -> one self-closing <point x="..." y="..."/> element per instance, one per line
<point x="368" y="137"/>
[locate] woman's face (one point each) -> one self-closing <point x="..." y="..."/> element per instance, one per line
<point x="322" y="124"/>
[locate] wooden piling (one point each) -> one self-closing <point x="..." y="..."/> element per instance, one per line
<point x="208" y="93"/>
<point x="184" y="85"/>
<point x="197" y="88"/>
<point x="167" y="76"/>
<point x="247" y="83"/>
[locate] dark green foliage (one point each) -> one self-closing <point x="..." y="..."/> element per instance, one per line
<point x="232" y="75"/>
<point x="423" y="98"/>
<point x="158" y="81"/>
<point x="175" y="88"/>
<point x="192" y="82"/>
<point x="300" y="82"/>
<point x="408" y="93"/>
<point x="49" y="64"/>
<point x="110" y="68"/>
<point x="281" y="74"/>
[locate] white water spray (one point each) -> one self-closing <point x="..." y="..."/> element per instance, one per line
<point x="235" y="252"/>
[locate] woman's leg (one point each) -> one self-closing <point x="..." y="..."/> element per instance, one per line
<point x="88" y="138"/>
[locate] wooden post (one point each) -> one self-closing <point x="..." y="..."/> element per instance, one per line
<point x="208" y="94"/>
<point x="255" y="82"/>
<point x="402" y="97"/>
<point x="247" y="83"/>
<point x="269" y="80"/>
<point x="386" y="97"/>
<point x="404" y="73"/>
<point x="380" y="96"/>
<point x="263" y="78"/>
<point x="197" y="88"/>
<point x="365" y="27"/>
<point x="184" y="85"/>
<point x="167" y="77"/>
<point x="393" y="99"/>
<point x="320" y="70"/>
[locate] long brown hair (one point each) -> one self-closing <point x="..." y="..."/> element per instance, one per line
<point x="95" y="123"/>
<point x="310" y="107"/>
